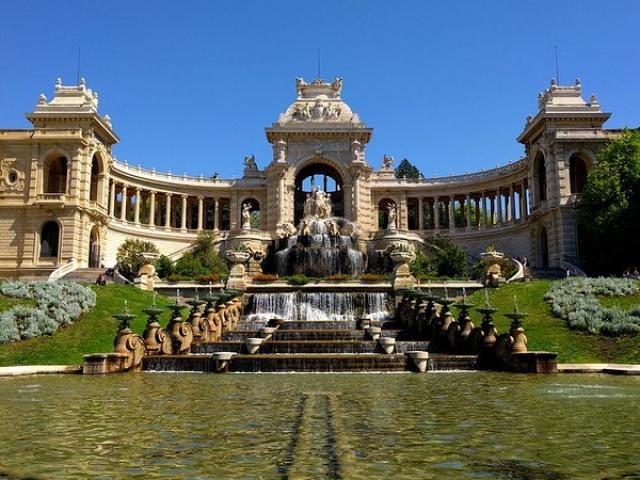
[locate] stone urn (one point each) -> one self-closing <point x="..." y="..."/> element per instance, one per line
<point x="267" y="332"/>
<point x="420" y="359"/>
<point x="237" y="278"/>
<point x="402" y="277"/>
<point x="222" y="360"/>
<point x="387" y="344"/>
<point x="147" y="274"/>
<point x="373" y="333"/>
<point x="252" y="344"/>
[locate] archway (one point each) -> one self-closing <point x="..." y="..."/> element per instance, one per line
<point x="577" y="173"/>
<point x="94" y="248"/>
<point x="55" y="175"/>
<point x="318" y="176"/>
<point x="95" y="178"/>
<point x="50" y="240"/>
<point x="543" y="244"/>
<point x="540" y="177"/>
<point x="256" y="217"/>
<point x="383" y="212"/>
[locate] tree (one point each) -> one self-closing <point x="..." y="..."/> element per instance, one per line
<point x="609" y="207"/>
<point x="129" y="256"/>
<point x="407" y="170"/>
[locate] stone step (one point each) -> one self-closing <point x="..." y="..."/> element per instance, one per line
<point x="307" y="347"/>
<point x="307" y="334"/>
<point x="355" y="362"/>
<point x="86" y="275"/>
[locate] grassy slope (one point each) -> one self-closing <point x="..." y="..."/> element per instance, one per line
<point x="549" y="333"/>
<point x="94" y="332"/>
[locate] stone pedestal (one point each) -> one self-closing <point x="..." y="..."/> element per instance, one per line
<point x="402" y="277"/>
<point x="237" y="275"/>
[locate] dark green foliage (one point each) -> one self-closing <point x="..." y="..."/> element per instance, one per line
<point x="447" y="261"/>
<point x="164" y="266"/>
<point x="209" y="258"/>
<point x="189" y="266"/>
<point x="407" y="170"/>
<point x="298" y="279"/>
<point x="609" y="207"/>
<point x="128" y="256"/>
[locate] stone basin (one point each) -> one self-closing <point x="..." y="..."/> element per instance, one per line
<point x="388" y="344"/>
<point x="373" y="333"/>
<point x="253" y="344"/>
<point x="420" y="359"/>
<point x="266" y="332"/>
<point x="223" y="356"/>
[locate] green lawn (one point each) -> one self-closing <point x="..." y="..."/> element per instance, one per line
<point x="94" y="332"/>
<point x="546" y="332"/>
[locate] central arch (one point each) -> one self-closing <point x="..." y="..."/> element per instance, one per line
<point x="322" y="176"/>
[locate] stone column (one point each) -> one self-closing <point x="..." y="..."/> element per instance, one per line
<point x="112" y="199"/>
<point x="136" y="216"/>
<point x="183" y="220"/>
<point x="452" y="214"/>
<point x="152" y="208"/>
<point x="483" y="217"/>
<point x="216" y="214"/>
<point x="436" y="213"/>
<point x="477" y="205"/>
<point x="420" y="214"/>
<point x="468" y="211"/>
<point x="123" y="207"/>
<point x="523" y="202"/>
<point x="499" y="205"/>
<point x="511" y="211"/>
<point x="200" y="211"/>
<point x="494" y="214"/>
<point x="167" y="215"/>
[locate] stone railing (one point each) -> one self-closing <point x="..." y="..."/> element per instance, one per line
<point x="426" y="316"/>
<point x="63" y="270"/>
<point x="208" y="319"/>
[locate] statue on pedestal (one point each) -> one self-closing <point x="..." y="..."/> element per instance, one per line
<point x="246" y="216"/>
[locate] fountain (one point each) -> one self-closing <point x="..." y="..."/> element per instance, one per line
<point x="322" y="244"/>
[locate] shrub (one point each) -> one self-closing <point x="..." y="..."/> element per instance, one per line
<point x="205" y="251"/>
<point x="447" y="261"/>
<point x="338" y="277"/>
<point x="298" y="279"/>
<point x="128" y="256"/>
<point x="372" y="277"/>
<point x="164" y="266"/>
<point x="265" y="277"/>
<point x="423" y="266"/>
<point x="176" y="277"/>
<point x="209" y="278"/>
<point x="57" y="304"/>
<point x="574" y="300"/>
<point x="189" y="266"/>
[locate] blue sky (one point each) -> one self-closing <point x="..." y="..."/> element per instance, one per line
<point x="191" y="85"/>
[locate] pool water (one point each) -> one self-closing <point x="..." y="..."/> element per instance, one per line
<point x="456" y="425"/>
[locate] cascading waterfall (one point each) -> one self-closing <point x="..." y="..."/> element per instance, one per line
<point x="316" y="306"/>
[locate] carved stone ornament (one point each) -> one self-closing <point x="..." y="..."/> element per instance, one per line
<point x="12" y="179"/>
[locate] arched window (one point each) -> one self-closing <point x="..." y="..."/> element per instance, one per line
<point x="577" y="173"/>
<point x="540" y="177"/>
<point x="55" y="175"/>
<point x="95" y="172"/>
<point x="383" y="212"/>
<point x="256" y="219"/>
<point x="49" y="240"/>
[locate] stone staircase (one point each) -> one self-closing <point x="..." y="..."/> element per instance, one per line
<point x="548" y="273"/>
<point x="86" y="275"/>
<point x="313" y="346"/>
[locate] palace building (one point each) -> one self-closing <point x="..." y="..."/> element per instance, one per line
<point x="65" y="200"/>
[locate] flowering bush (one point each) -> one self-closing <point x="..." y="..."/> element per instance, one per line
<point x="57" y="304"/>
<point x="574" y="300"/>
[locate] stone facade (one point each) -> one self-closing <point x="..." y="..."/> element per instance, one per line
<point x="64" y="197"/>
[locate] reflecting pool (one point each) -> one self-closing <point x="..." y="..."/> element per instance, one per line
<point x="275" y="426"/>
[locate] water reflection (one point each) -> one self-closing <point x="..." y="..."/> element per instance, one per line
<point x="463" y="425"/>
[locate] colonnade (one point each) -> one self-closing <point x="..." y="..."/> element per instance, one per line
<point x="479" y="209"/>
<point x="167" y="209"/>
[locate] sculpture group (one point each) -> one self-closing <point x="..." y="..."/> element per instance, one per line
<point x="318" y="204"/>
